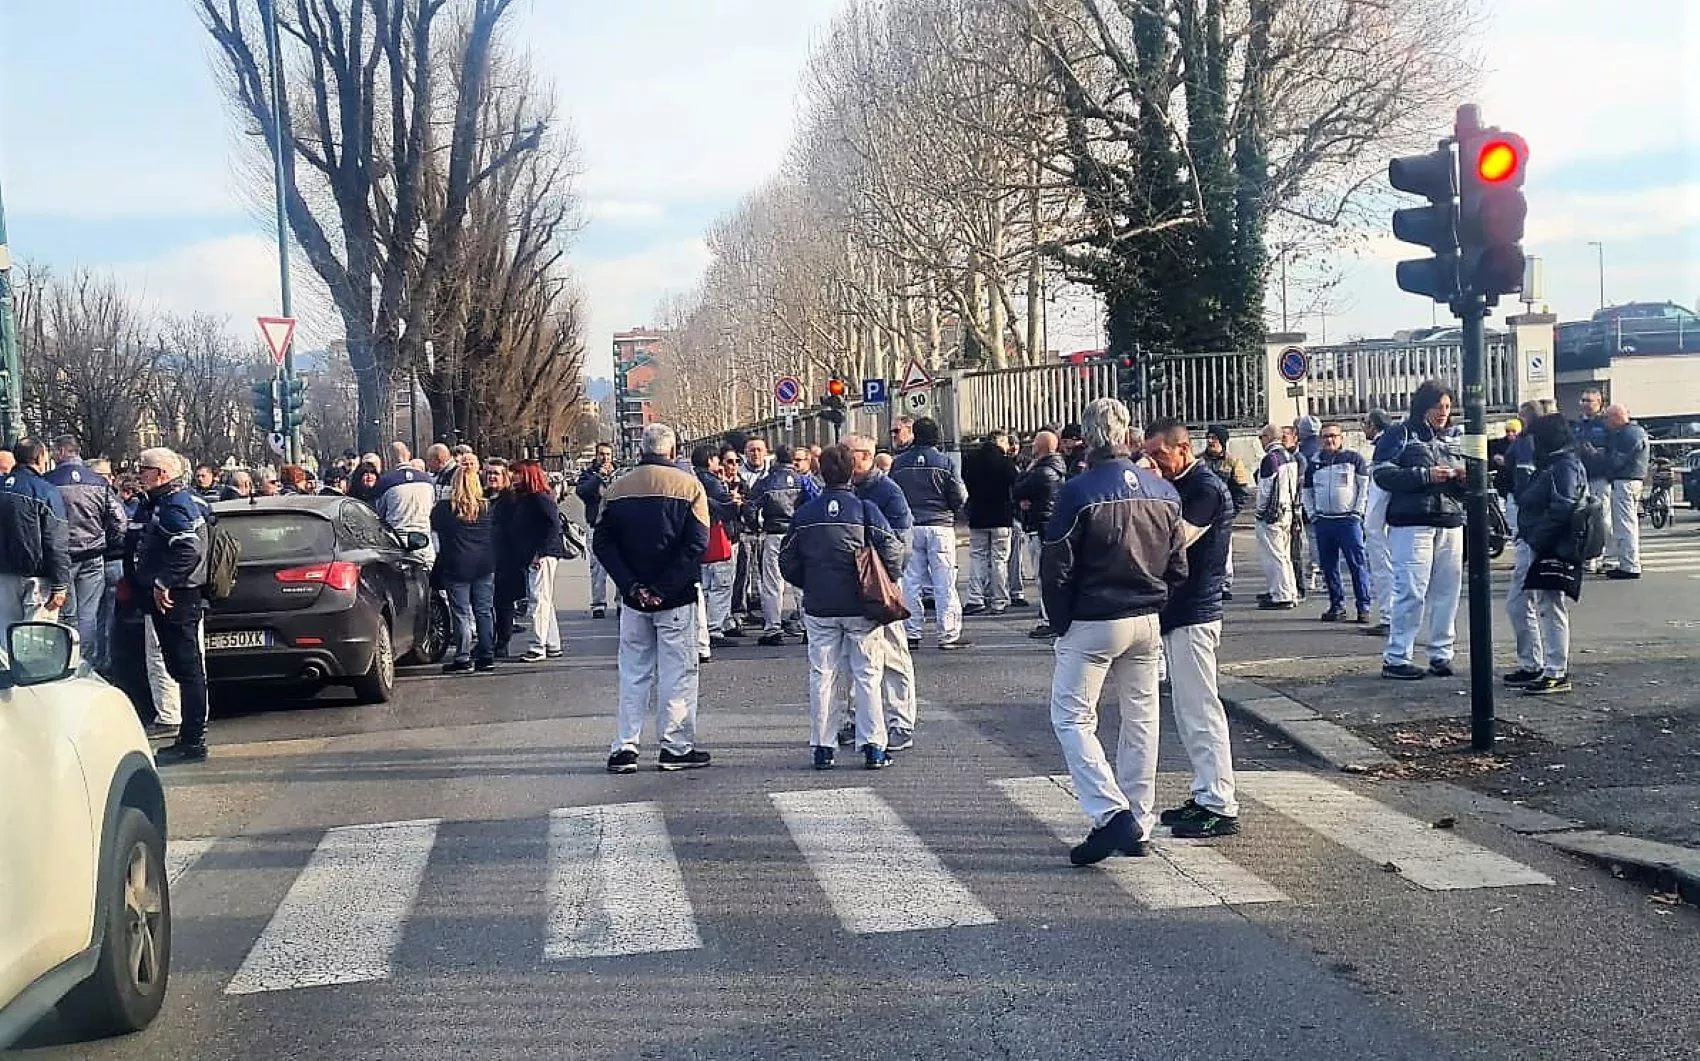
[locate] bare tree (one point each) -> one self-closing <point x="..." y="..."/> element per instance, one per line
<point x="204" y="396"/>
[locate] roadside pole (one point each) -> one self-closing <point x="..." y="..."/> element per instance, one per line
<point x="280" y="143"/>
<point x="1471" y="312"/>
<point x="12" y="386"/>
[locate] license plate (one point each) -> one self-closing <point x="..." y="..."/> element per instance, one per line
<point x="238" y="639"/>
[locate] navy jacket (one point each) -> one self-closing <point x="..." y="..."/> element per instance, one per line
<point x="1626" y="454"/>
<point x="592" y="487"/>
<point x="1546" y="506"/>
<point x="935" y="495"/>
<point x="884" y="494"/>
<point x="818" y="556"/>
<point x="34" y="537"/>
<point x="172" y="546"/>
<point x="721" y="508"/>
<point x="466" y="550"/>
<point x="1207" y="516"/>
<point x="1115" y="548"/>
<point x="1039" y="487"/>
<point x="1591" y="435"/>
<point x="1405" y="455"/>
<point x="775" y="499"/>
<point x="94" y="516"/>
<point x="1520" y="458"/>
<point x="652" y="532"/>
<point x="537" y="528"/>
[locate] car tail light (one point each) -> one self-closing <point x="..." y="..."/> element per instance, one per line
<point x="338" y="575"/>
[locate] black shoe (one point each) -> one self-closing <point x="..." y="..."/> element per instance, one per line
<point x="1520" y="677"/>
<point x="973" y="609"/>
<point x="1227" y="595"/>
<point x="484" y="665"/>
<point x="704" y="659"/>
<point x="1618" y="574"/>
<point x="1264" y="598"/>
<point x="1548" y="686"/>
<point x="1378" y="630"/>
<point x="875" y="757"/>
<point x="914" y="643"/>
<point x="824" y="758"/>
<point x="457" y="667"/>
<point x="955" y="646"/>
<point x="1440" y="668"/>
<point x="793" y="630"/>
<point x="717" y="641"/>
<point x="1117" y="834"/>
<point x="695" y="759"/>
<point x="624" y="761"/>
<point x="1019" y="602"/>
<point x="732" y="631"/>
<point x="1404" y="672"/>
<point x="1332" y="615"/>
<point x="847" y="735"/>
<point x="1277" y="605"/>
<point x="1041" y="632"/>
<point x="1362" y="619"/>
<point x="1205" y="826"/>
<point x="160" y="731"/>
<point x="181" y="753"/>
<point x="771" y="640"/>
<point x="1186" y="812"/>
<point x="598" y="613"/>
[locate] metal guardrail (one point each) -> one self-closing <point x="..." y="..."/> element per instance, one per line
<point x="1350" y="380"/>
<point x="1206" y="389"/>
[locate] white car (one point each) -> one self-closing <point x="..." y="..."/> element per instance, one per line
<point x="85" y="917"/>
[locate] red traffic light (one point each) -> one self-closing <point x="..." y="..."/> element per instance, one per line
<point x="1499" y="160"/>
<point x="836" y="387"/>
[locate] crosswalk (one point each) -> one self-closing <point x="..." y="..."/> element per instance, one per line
<point x="1674" y="552"/>
<point x="609" y="882"/>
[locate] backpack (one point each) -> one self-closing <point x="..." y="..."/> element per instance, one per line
<point x="224" y="553"/>
<point x="1588" y="528"/>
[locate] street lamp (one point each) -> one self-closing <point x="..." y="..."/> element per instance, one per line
<point x="1601" y="249"/>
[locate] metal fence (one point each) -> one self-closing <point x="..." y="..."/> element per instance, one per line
<point x="1206" y="389"/>
<point x="1350" y="380"/>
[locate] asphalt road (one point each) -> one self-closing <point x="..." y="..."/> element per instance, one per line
<point x="513" y="899"/>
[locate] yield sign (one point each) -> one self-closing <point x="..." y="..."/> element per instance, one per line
<point x="915" y="377"/>
<point x="278" y="332"/>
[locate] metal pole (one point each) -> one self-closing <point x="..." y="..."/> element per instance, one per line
<point x="280" y="176"/>
<point x="1600" y="250"/>
<point x="413" y="408"/>
<point x="12" y="386"/>
<point x="1476" y="524"/>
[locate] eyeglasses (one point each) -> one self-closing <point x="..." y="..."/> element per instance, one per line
<point x="1331" y="434"/>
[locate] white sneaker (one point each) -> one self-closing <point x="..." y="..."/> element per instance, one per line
<point x="534" y="655"/>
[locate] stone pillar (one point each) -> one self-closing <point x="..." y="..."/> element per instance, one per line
<point x="1279" y="407"/>
<point x="1533" y="356"/>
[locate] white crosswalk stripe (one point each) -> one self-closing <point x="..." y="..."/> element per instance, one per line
<point x="1179" y="875"/>
<point x="614" y="885"/>
<point x="181" y="856"/>
<point x="1678" y="553"/>
<point x="1430" y="858"/>
<point x="343" y="916"/>
<point x="877" y="874"/>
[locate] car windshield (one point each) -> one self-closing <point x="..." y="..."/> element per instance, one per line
<point x="280" y="537"/>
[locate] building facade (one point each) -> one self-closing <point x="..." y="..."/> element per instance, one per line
<point x="635" y="369"/>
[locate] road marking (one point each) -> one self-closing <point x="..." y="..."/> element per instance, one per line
<point x="876" y="872"/>
<point x="1430" y="858"/>
<point x="342" y="918"/>
<point x="614" y="884"/>
<point x="1179" y="874"/>
<point x="181" y="856"/>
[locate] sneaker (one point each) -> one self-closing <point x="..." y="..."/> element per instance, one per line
<point x="1278" y="605"/>
<point x="1548" y="686"/>
<point x="1207" y="825"/>
<point x="1520" y="677"/>
<point x="179" y="752"/>
<point x="874" y="757"/>
<point x="914" y="643"/>
<point x="624" y="761"/>
<point x="598" y="613"/>
<point x="161" y="731"/>
<point x="823" y="758"/>
<point x="1019" y="602"/>
<point x="1186" y="812"/>
<point x="704" y="659"/>
<point x="998" y="610"/>
<point x="695" y="759"/>
<point x="1404" y="672"/>
<point x="1264" y="598"/>
<point x="773" y="640"/>
<point x="1227" y="595"/>
<point x="1619" y="574"/>
<point x="461" y="666"/>
<point x="973" y="609"/>
<point x="1362" y="619"/>
<point x="1041" y="631"/>
<point x="554" y="653"/>
<point x="1378" y="630"/>
<point x="1117" y="834"/>
<point x="955" y="646"/>
<point x="1440" y="668"/>
<point x="718" y="641"/>
<point x="899" y="740"/>
<point x="534" y="655"/>
<point x="847" y="735"/>
<point x="732" y="631"/>
<point x="1332" y="615"/>
<point x="791" y="629"/>
<point x="484" y="666"/>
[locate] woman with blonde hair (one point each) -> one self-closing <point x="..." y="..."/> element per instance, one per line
<point x="466" y="569"/>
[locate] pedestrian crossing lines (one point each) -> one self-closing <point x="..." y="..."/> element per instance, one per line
<point x="604" y="881"/>
<point x="1676" y="552"/>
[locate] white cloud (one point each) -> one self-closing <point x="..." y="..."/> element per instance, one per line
<point x="623" y="291"/>
<point x="626" y="213"/>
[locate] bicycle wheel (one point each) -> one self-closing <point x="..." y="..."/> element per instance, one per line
<point x="1658" y="512"/>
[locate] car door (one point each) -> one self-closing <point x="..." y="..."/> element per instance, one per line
<point x="393" y="572"/>
<point x="47" y="840"/>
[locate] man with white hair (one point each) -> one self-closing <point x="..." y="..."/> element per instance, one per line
<point x="650" y="537"/>
<point x="1625" y="463"/>
<point x="1113" y="552"/>
<point x="1277" y="499"/>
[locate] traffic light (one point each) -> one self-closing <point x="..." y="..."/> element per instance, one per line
<point x="1491" y="212"/>
<point x="833" y="401"/>
<point x="1433" y="176"/>
<point x="265" y="404"/>
<point x="294" y="400"/>
<point x="1128" y="387"/>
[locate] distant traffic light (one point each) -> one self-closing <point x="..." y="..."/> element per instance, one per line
<point x="1433" y="176"/>
<point x="832" y="402"/>
<point x="265" y="404"/>
<point x="1128" y="384"/>
<point x="1491" y="212"/>
<point x="294" y="401"/>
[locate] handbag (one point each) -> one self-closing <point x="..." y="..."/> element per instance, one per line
<point x="882" y="602"/>
<point x="572" y="539"/>
<point x="719" y="544"/>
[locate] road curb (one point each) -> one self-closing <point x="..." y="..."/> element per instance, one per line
<point x="1334" y="744"/>
<point x="1665" y="867"/>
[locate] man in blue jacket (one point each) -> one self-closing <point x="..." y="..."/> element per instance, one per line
<point x="35" y="561"/>
<point x="1336" y="496"/>
<point x="95" y="522"/>
<point x="650" y="536"/>
<point x="715" y="609"/>
<point x="1624" y="462"/>
<point x="936" y="498"/>
<point x="593" y="483"/>
<point x="1590" y="432"/>
<point x="772" y="503"/>
<point x="897" y="680"/>
<point x="168" y="572"/>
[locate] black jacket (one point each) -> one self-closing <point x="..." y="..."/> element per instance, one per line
<point x="34" y="537"/>
<point x="819" y="554"/>
<point x="466" y="550"/>
<point x="172" y="542"/>
<point x="989" y="474"/>
<point x="721" y="508"/>
<point x="1039" y="487"/>
<point x="1207" y="513"/>
<point x="592" y="485"/>
<point x="94" y="516"/>
<point x="1405" y="456"/>
<point x="1115" y="548"/>
<point x="537" y="528"/>
<point x="652" y="532"/>
<point x="1546" y="506"/>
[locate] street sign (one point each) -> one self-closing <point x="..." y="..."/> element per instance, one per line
<point x="918" y="402"/>
<point x="275" y="440"/>
<point x="1537" y="368"/>
<point x="1294" y="364"/>
<point x="279" y="332"/>
<point x="788" y="390"/>
<point x="873" y="392"/>
<point x="915" y="377"/>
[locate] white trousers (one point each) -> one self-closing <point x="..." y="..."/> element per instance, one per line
<point x="23" y="599"/>
<point x="778" y="598"/>
<point x="1378" y="552"/>
<point x="1540" y="621"/>
<point x="658" y="676"/>
<point x="540" y="587"/>
<point x="988" y="567"/>
<point x="932" y="564"/>
<point x="1428" y="568"/>
<point x="1601" y="488"/>
<point x="1274" y="554"/>
<point x="717" y="594"/>
<point x="167" y="694"/>
<point x="1086" y="655"/>
<point x="598" y="582"/>
<point x="897" y="682"/>
<point x="1625" y="548"/>
<point x="854" y="646"/>
<point x="1017" y="562"/>
<point x="1034" y="543"/>
<point x="1203" y="724"/>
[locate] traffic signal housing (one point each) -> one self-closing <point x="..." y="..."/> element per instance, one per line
<point x="1129" y="388"/>
<point x="294" y="401"/>
<point x="832" y="402"/>
<point x="1492" y="165"/>
<point x="1433" y="176"/>
<point x="265" y="404"/>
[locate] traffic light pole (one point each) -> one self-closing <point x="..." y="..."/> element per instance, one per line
<point x="12" y="386"/>
<point x="1472" y="311"/>
<point x="280" y="174"/>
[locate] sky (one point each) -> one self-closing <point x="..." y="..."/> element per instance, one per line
<point x="116" y="152"/>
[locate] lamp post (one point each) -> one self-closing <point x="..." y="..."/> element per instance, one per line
<point x="12" y="383"/>
<point x="1600" y="248"/>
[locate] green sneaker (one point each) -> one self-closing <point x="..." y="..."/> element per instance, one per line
<point x="1208" y="825"/>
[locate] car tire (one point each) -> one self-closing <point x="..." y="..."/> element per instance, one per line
<point x="127" y="988"/>
<point x="431" y="648"/>
<point x="377" y="685"/>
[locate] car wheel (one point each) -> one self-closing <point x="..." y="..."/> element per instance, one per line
<point x="377" y="685"/>
<point x="127" y="987"/>
<point x="434" y="644"/>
